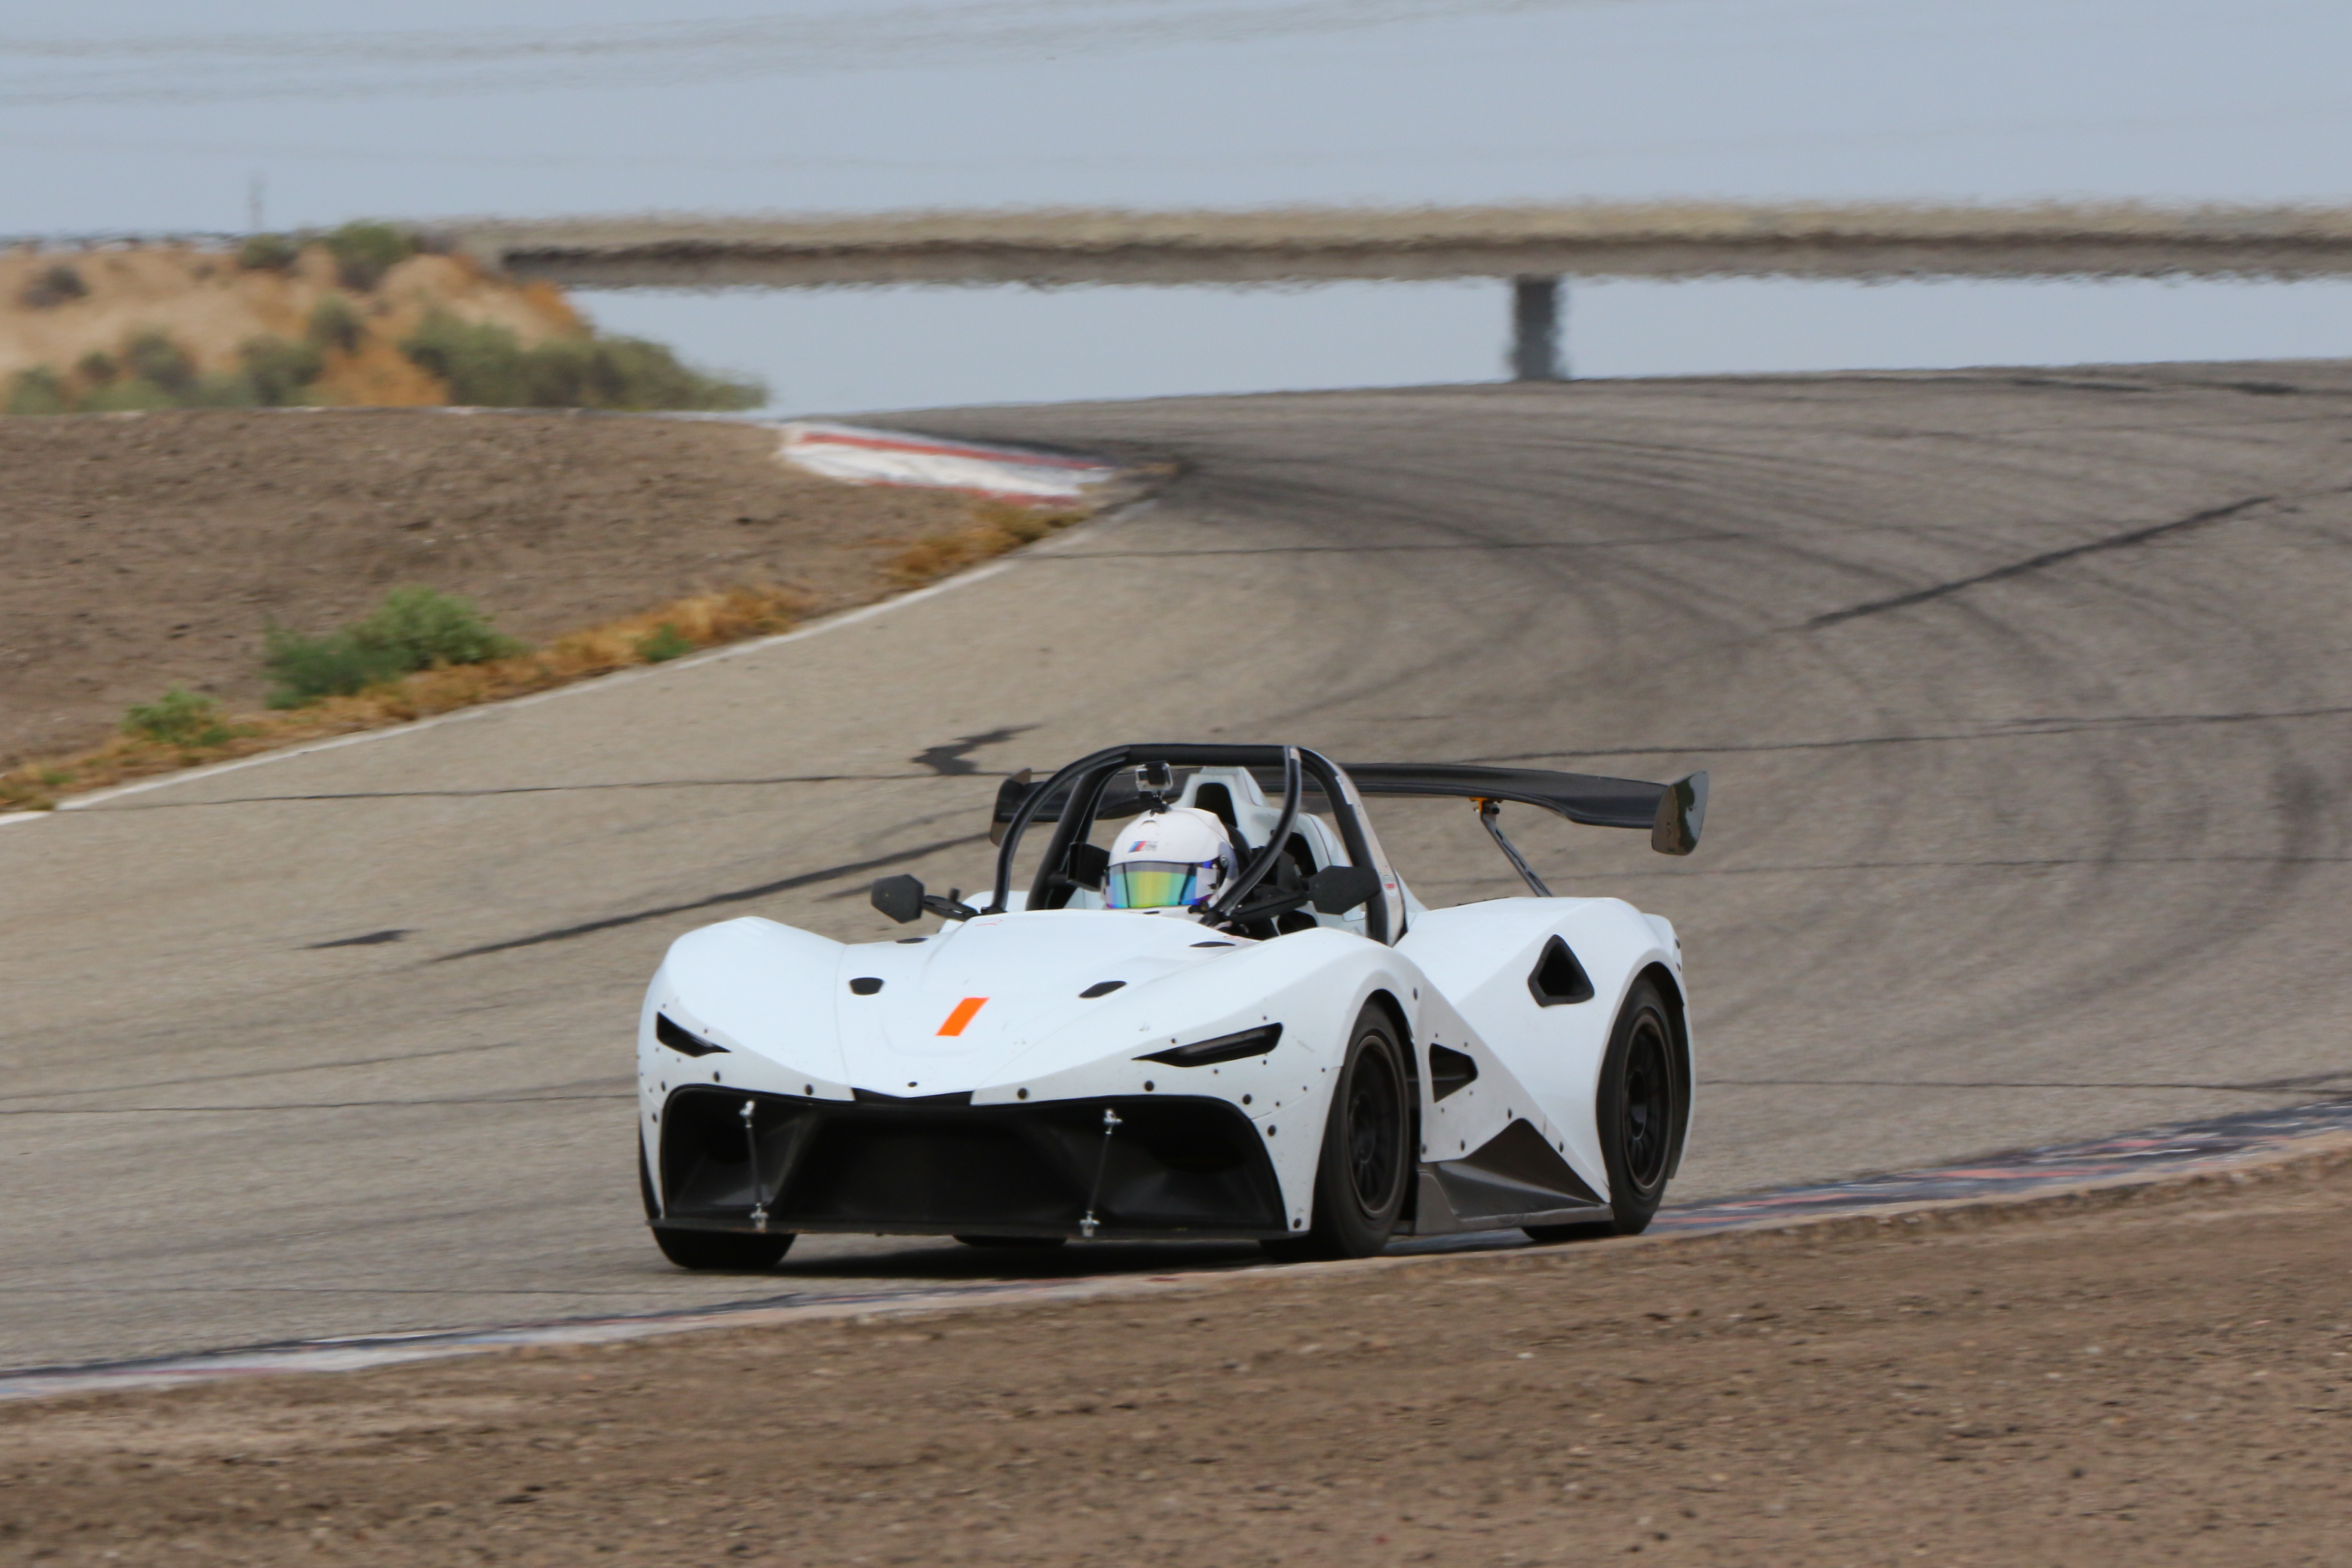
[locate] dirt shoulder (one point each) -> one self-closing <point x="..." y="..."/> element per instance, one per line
<point x="2159" y="1376"/>
<point x="150" y="550"/>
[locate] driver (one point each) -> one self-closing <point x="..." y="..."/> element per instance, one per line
<point x="1176" y="857"/>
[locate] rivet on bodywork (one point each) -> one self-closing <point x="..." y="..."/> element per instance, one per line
<point x="1020" y="1094"/>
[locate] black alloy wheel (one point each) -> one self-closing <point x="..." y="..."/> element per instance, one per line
<point x="1640" y="1114"/>
<point x="1360" y="1180"/>
<point x="1647" y="1101"/>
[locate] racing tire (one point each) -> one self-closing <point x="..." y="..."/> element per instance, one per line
<point x="708" y="1250"/>
<point x="722" y="1252"/>
<point x="1013" y="1241"/>
<point x="1638" y="1114"/>
<point x="1362" y="1177"/>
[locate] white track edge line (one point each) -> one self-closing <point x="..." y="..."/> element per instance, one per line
<point x="603" y="682"/>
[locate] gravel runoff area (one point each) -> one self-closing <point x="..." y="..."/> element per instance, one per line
<point x="2149" y="1374"/>
<point x="151" y="549"/>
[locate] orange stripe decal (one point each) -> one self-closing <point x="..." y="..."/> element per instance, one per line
<point x="962" y="1015"/>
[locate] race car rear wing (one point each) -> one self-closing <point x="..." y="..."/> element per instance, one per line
<point x="1674" y="813"/>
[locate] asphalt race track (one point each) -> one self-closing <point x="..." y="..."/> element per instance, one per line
<point x="2026" y="696"/>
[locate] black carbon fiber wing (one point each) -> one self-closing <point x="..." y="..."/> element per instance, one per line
<point x="1672" y="813"/>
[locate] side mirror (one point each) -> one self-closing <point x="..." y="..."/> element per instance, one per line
<point x="1682" y="812"/>
<point x="1336" y="890"/>
<point x="900" y="898"/>
<point x="1089" y="866"/>
<point x="1009" y="796"/>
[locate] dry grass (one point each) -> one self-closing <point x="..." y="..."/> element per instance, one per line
<point x="996" y="528"/>
<point x="704" y="620"/>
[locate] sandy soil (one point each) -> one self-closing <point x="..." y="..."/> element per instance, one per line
<point x="150" y="550"/>
<point x="2163" y="1375"/>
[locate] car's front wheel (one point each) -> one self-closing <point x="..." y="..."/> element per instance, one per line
<point x="720" y="1251"/>
<point x="1360" y="1180"/>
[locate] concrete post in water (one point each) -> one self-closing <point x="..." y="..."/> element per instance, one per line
<point x="1535" y="330"/>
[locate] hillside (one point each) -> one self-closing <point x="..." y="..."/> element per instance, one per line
<point x="155" y="550"/>
<point x="356" y="318"/>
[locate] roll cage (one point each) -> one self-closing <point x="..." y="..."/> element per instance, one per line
<point x="1075" y="798"/>
<point x="1088" y="791"/>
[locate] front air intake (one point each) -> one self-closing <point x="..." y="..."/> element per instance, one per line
<point x="672" y="1035"/>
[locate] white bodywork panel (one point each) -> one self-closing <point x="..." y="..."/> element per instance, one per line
<point x="1045" y="1017"/>
<point x="779" y="1001"/>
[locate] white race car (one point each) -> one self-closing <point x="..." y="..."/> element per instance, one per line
<point x="1311" y="1059"/>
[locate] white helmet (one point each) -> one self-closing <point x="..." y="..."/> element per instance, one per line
<point x="1179" y="858"/>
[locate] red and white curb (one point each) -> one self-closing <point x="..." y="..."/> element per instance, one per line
<point x="859" y="456"/>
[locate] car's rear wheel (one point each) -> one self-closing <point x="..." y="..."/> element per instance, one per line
<point x="711" y="1250"/>
<point x="1360" y="1179"/>
<point x="1638" y="1109"/>
<point x="1013" y="1241"/>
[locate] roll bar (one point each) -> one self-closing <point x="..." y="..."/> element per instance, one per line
<point x="1077" y="792"/>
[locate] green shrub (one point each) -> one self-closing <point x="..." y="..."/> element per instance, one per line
<point x="97" y="367"/>
<point x="486" y="367"/>
<point x="414" y="628"/>
<point x="334" y="325"/>
<point x="307" y="669"/>
<point x="267" y="253"/>
<point x="365" y="252"/>
<point x="40" y="390"/>
<point x="126" y="394"/>
<point x="481" y="363"/>
<point x="427" y="628"/>
<point x="279" y="369"/>
<point x="154" y="358"/>
<point x="232" y="389"/>
<point x="178" y="717"/>
<point x="56" y="286"/>
<point x="664" y="643"/>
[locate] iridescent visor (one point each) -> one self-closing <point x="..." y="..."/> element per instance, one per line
<point x="1150" y="885"/>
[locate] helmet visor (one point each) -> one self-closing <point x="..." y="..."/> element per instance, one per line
<point x="1150" y="885"/>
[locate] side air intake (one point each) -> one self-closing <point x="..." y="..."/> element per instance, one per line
<point x="1558" y="978"/>
<point x="1450" y="1071"/>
